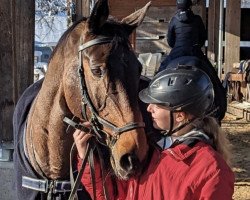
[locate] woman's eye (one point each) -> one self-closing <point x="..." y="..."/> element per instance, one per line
<point x="97" y="72"/>
<point x="157" y="107"/>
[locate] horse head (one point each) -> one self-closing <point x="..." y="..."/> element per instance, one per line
<point x="94" y="75"/>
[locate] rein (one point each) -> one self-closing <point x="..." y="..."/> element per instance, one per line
<point x="97" y="122"/>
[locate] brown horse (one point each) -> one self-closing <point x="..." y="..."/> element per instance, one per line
<point x="110" y="75"/>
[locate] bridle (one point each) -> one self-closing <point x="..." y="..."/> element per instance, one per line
<point x="97" y="122"/>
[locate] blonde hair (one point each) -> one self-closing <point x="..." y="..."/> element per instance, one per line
<point x="211" y="127"/>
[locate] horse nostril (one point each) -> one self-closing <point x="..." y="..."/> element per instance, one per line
<point x="129" y="162"/>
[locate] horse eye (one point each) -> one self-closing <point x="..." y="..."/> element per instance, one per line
<point x="97" y="72"/>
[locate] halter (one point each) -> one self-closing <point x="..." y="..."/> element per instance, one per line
<point x="97" y="122"/>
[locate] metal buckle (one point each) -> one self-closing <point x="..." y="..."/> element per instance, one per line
<point x="35" y="184"/>
<point x="62" y="186"/>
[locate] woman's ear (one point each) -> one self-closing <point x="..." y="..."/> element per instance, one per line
<point x="180" y="117"/>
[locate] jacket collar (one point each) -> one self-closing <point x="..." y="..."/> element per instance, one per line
<point x="183" y="151"/>
<point x="169" y="141"/>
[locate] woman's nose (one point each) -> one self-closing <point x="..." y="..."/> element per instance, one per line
<point x="150" y="108"/>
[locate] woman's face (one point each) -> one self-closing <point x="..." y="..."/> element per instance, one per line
<point x="160" y="116"/>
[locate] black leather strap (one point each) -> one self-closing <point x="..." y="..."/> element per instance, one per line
<point x="101" y="40"/>
<point x="77" y="182"/>
<point x="43" y="185"/>
<point x="76" y="125"/>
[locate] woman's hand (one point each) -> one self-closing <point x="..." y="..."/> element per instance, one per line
<point x="81" y="138"/>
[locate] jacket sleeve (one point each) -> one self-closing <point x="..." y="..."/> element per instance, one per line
<point x="171" y="33"/>
<point x="219" y="185"/>
<point x="86" y="181"/>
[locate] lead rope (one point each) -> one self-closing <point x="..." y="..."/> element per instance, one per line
<point x="72" y="181"/>
<point x="105" y="189"/>
<point x="75" y="185"/>
<point x="92" y="172"/>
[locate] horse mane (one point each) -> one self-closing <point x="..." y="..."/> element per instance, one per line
<point x="112" y="28"/>
<point x="65" y="35"/>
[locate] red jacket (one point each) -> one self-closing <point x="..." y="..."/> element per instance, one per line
<point x="176" y="173"/>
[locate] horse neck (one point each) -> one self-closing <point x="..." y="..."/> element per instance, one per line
<point x="64" y="59"/>
<point x="48" y="145"/>
<point x="52" y="91"/>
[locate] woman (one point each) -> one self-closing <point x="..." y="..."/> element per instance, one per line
<point x="191" y="161"/>
<point x="186" y="34"/>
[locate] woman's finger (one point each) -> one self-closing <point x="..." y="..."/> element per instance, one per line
<point x="76" y="133"/>
<point x="81" y="136"/>
<point x="81" y="143"/>
<point x="86" y="124"/>
<point x="85" y="138"/>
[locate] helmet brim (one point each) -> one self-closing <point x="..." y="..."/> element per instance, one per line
<point x="146" y="97"/>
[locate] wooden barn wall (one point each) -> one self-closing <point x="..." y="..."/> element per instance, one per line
<point x="151" y="35"/>
<point x="6" y="55"/>
<point x="82" y="9"/>
<point x="232" y="34"/>
<point x="213" y="27"/>
<point x="16" y="58"/>
<point x="121" y="8"/>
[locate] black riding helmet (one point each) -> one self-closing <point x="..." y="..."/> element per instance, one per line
<point x="183" y="4"/>
<point x="183" y="88"/>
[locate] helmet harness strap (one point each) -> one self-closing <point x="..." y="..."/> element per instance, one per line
<point x="171" y="131"/>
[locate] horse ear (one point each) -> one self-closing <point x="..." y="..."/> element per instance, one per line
<point x="135" y="19"/>
<point x="98" y="16"/>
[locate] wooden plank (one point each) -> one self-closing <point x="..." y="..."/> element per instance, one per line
<point x="86" y="8"/>
<point x="235" y="111"/>
<point x="152" y="29"/>
<point x="78" y="9"/>
<point x="237" y="77"/>
<point x="229" y="117"/>
<point x="232" y="34"/>
<point x="24" y="44"/>
<point x="213" y="27"/>
<point x="160" y="12"/>
<point x="16" y="57"/>
<point x="156" y="22"/>
<point x="6" y="56"/>
<point x="247" y="115"/>
<point x="241" y="110"/>
<point x="82" y="8"/>
<point x="152" y="46"/>
<point x="121" y="8"/>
